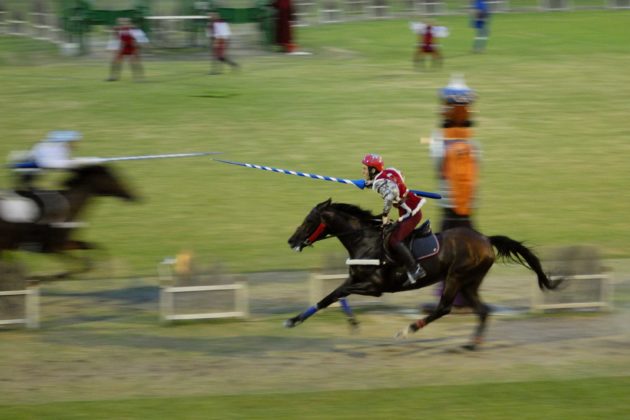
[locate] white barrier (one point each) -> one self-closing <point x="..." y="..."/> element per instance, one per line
<point x="168" y="294"/>
<point x="168" y="309"/>
<point x="31" y="307"/>
<point x="40" y="26"/>
<point x="584" y="291"/>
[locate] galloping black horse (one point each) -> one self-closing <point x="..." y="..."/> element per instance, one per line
<point x="463" y="260"/>
<point x="55" y="238"/>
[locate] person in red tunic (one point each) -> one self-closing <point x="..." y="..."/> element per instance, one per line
<point x="126" y="43"/>
<point x="284" y="16"/>
<point x="390" y="184"/>
<point x="427" y="45"/>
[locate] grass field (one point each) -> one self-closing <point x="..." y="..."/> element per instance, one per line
<point x="101" y="353"/>
<point x="576" y="399"/>
<point x="552" y="122"/>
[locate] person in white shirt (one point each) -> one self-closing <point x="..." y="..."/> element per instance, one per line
<point x="52" y="153"/>
<point x="219" y="33"/>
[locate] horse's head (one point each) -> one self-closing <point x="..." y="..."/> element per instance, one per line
<point x="99" y="180"/>
<point x="311" y="229"/>
<point x="338" y="219"/>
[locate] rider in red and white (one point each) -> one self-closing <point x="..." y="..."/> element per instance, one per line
<point x="390" y="184"/>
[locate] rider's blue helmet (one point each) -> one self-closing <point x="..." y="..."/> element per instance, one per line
<point x="63" y="136"/>
<point x="457" y="92"/>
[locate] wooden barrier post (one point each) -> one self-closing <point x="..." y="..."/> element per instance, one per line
<point x="168" y="293"/>
<point x="31" y="307"/>
<point x="575" y="294"/>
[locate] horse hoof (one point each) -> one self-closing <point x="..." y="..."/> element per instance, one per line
<point x="291" y="323"/>
<point x="470" y="347"/>
<point x="402" y="334"/>
<point x="354" y="326"/>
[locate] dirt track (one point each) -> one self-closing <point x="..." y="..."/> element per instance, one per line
<point x="106" y="343"/>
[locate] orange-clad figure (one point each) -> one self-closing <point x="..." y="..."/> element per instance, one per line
<point x="456" y="155"/>
<point x="457" y="159"/>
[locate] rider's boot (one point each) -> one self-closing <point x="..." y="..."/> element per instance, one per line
<point x="404" y="257"/>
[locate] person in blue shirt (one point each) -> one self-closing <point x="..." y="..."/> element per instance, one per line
<point x="480" y="20"/>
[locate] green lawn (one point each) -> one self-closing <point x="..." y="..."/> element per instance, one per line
<point x="551" y="120"/>
<point x="575" y="399"/>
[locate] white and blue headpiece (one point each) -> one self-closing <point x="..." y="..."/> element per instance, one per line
<point x="457" y="92"/>
<point x="63" y="136"/>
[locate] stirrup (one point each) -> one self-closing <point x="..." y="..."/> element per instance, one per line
<point x="416" y="275"/>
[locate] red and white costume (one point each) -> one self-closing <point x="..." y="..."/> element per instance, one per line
<point x="427" y="44"/>
<point x="219" y="32"/>
<point x="126" y="43"/>
<point x="390" y="184"/>
<point x="128" y="39"/>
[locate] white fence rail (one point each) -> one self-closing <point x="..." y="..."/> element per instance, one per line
<point x="41" y="26"/>
<point x="211" y="299"/>
<point x="584" y="291"/>
<point x="31" y="307"/>
<point x="168" y="309"/>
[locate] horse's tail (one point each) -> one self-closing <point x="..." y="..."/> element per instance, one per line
<point x="517" y="252"/>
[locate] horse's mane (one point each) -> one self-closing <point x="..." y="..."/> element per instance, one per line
<point x="79" y="174"/>
<point x="355" y="211"/>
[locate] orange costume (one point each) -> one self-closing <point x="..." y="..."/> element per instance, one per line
<point x="456" y="156"/>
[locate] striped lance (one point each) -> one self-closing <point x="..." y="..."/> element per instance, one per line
<point x="359" y="183"/>
<point x="165" y="156"/>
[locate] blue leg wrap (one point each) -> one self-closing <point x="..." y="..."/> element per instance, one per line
<point x="310" y="311"/>
<point x="346" y="307"/>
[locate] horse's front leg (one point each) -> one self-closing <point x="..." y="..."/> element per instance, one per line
<point x="337" y="294"/>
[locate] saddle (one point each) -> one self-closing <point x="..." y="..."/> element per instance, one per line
<point x="33" y="206"/>
<point x="422" y="242"/>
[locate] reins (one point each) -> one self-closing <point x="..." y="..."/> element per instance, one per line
<point x="322" y="226"/>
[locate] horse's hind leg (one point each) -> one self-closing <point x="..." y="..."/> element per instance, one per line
<point x="471" y="293"/>
<point x="443" y="308"/>
<point x="352" y="320"/>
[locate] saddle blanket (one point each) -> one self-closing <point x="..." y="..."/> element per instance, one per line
<point x="425" y="246"/>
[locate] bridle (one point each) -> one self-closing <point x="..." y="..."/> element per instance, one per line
<point x="317" y="234"/>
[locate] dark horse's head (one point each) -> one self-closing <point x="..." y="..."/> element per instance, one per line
<point x="328" y="218"/>
<point x="100" y="181"/>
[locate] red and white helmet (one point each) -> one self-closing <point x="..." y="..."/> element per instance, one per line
<point x="373" y="161"/>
